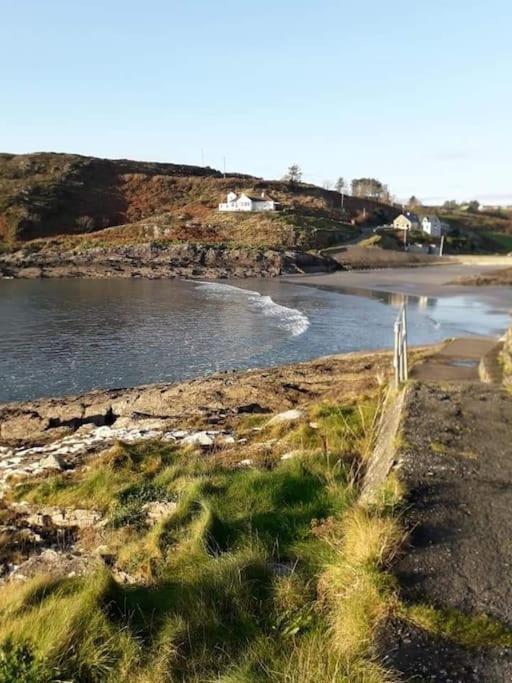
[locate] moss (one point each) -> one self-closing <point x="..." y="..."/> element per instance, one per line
<point x="472" y="631"/>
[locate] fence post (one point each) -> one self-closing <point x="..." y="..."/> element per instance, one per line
<point x="396" y="354"/>
<point x="405" y="359"/>
<point x="400" y="359"/>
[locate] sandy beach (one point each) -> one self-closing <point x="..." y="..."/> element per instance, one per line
<point x="429" y="281"/>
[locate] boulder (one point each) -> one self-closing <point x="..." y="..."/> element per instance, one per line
<point x="199" y="439"/>
<point x="288" y="416"/>
<point x="51" y="462"/>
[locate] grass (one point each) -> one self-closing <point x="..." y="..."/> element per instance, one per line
<point x="271" y="574"/>
<point x="503" y="239"/>
<point x="471" y="631"/>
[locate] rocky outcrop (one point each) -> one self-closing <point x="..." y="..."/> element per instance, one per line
<point x="161" y="260"/>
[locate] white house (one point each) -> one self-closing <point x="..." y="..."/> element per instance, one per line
<point x="407" y="221"/>
<point x="432" y="226"/>
<point x="247" y="202"/>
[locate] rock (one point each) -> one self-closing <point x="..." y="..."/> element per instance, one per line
<point x="288" y="416"/>
<point x="50" y="463"/>
<point x="245" y="463"/>
<point x="251" y="408"/>
<point x="290" y="455"/>
<point x="62" y="517"/>
<point x="225" y="440"/>
<point x="23" y="426"/>
<point x="198" y="439"/>
<point x="157" y="510"/>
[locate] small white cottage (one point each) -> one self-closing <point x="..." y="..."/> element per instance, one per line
<point x="407" y="221"/>
<point x="432" y="225"/>
<point x="246" y="202"/>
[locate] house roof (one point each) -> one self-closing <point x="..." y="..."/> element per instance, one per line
<point x="255" y="198"/>
<point x="430" y="217"/>
<point x="410" y="216"/>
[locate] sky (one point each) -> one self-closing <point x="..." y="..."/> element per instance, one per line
<point x="415" y="93"/>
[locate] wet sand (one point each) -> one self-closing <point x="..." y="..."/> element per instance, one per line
<point x="430" y="281"/>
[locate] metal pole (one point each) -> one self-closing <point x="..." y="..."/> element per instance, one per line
<point x="404" y="350"/>
<point x="396" y="355"/>
<point x="441" y="248"/>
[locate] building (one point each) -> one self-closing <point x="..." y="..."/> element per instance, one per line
<point x="432" y="225"/>
<point x="407" y="221"/>
<point x="246" y="202"/>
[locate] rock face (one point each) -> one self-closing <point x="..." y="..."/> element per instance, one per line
<point x="160" y="260"/>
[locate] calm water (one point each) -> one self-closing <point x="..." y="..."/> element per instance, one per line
<point x="66" y="336"/>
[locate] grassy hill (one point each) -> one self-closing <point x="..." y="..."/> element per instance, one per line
<point x="47" y="194"/>
<point x="478" y="231"/>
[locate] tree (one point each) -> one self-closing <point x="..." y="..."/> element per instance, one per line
<point x="370" y="188"/>
<point x="327" y="184"/>
<point x="294" y="175"/>
<point x="450" y="204"/>
<point x="414" y="202"/>
<point x="340" y="185"/>
<point x="473" y="206"/>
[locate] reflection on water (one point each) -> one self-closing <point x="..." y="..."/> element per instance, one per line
<point x="67" y="336"/>
<point x="390" y="298"/>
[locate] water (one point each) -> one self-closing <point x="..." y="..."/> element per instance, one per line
<point x="67" y="336"/>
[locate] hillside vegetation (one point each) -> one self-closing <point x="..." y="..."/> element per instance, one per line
<point x="47" y="194"/>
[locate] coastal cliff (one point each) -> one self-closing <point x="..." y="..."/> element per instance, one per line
<point x="161" y="260"/>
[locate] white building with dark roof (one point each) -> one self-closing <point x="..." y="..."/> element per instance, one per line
<point x="407" y="221"/>
<point x="432" y="225"/>
<point x="246" y="202"/>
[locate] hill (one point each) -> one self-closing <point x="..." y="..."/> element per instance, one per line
<point x="48" y="194"/>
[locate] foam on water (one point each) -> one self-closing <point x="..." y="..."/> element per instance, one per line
<point x="291" y="319"/>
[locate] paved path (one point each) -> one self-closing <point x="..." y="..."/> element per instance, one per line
<point x="458" y="360"/>
<point x="456" y="464"/>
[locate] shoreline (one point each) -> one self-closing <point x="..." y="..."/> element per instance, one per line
<point x="212" y="399"/>
<point x="380" y="285"/>
<point x="415" y="282"/>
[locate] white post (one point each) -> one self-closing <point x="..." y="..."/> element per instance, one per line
<point x="396" y="356"/>
<point x="404" y="349"/>
<point x="441" y="248"/>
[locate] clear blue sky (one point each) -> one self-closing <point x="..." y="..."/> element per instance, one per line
<point x="418" y="94"/>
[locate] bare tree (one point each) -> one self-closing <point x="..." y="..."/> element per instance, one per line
<point x="327" y="184"/>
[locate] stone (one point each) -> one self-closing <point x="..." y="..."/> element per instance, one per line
<point x="245" y="463"/>
<point x="157" y="510"/>
<point x="290" y="455"/>
<point x="288" y="416"/>
<point x="226" y="439"/>
<point x="198" y="439"/>
<point x="64" y="518"/>
<point x="23" y="427"/>
<point x="50" y="463"/>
